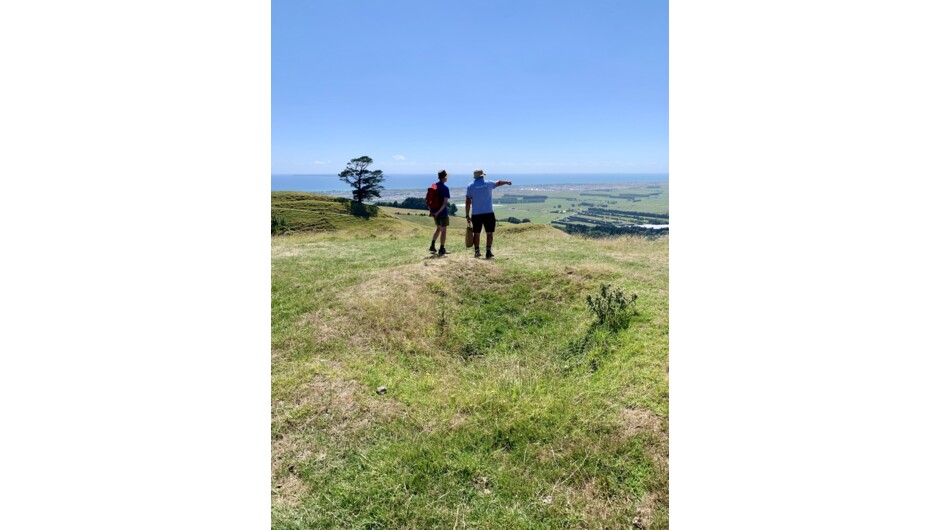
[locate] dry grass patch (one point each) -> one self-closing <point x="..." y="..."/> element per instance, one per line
<point x="393" y="309"/>
<point x="638" y="249"/>
<point x="644" y="512"/>
<point x="284" y="251"/>
<point x="306" y="243"/>
<point x="333" y="406"/>
<point x="640" y="421"/>
<point x="322" y="323"/>
<point x="276" y="354"/>
<point x="287" y="490"/>
<point x="597" y="508"/>
<point x="635" y="421"/>
<point x="585" y="275"/>
<point x="328" y="414"/>
<point x="401" y="309"/>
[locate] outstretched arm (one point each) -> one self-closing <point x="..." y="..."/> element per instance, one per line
<point x="503" y="183"/>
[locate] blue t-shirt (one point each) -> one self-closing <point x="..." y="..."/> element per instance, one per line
<point x="444" y="192"/>
<point x="480" y="193"/>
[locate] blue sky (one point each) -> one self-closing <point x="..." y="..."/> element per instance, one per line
<point x="509" y="86"/>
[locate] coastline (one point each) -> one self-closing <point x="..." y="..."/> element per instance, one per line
<point x="396" y="184"/>
<point x="392" y="194"/>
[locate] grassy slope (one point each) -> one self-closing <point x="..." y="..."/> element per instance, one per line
<point x="311" y="212"/>
<point x="496" y="399"/>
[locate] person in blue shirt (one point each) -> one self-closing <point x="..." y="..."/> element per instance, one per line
<point x="480" y="196"/>
<point x="441" y="219"/>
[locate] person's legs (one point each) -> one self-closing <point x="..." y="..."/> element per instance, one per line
<point x="477" y="221"/>
<point x="443" y="251"/>
<point x="434" y="239"/>
<point x="442" y="222"/>
<point x="490" y="227"/>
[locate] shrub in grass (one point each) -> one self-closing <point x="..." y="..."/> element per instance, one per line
<point x="611" y="307"/>
<point x="278" y="224"/>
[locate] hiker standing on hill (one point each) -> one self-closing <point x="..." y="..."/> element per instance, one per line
<point x="441" y="219"/>
<point x="480" y="195"/>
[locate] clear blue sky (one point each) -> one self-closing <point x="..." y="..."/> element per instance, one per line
<point x="512" y="87"/>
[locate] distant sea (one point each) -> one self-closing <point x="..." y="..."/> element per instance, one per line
<point x="332" y="183"/>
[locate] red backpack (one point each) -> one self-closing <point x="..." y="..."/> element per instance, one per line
<point x="433" y="198"/>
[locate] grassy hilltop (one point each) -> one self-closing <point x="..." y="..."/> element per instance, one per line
<point x="506" y="407"/>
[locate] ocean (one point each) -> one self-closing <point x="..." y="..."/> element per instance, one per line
<point x="332" y="183"/>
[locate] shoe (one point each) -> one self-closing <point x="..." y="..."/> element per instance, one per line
<point x="432" y="249"/>
<point x="489" y="255"/>
<point x="476" y="253"/>
<point x="442" y="252"/>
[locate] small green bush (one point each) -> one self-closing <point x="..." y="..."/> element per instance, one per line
<point x="610" y="307"/>
<point x="278" y="224"/>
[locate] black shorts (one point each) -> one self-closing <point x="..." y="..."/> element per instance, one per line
<point x="484" y="220"/>
<point x="442" y="220"/>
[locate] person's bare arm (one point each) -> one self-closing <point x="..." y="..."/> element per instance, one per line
<point x="443" y="207"/>
<point x="466" y="207"/>
<point x="503" y="183"/>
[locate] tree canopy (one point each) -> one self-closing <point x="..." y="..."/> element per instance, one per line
<point x="366" y="184"/>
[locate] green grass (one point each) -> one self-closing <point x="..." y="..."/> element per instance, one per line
<point x="309" y="212"/>
<point x="500" y="394"/>
<point x="419" y="217"/>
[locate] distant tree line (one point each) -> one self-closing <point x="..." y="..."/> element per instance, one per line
<point x="629" y="196"/>
<point x="610" y="230"/>
<point x="416" y="203"/>
<point x="516" y="199"/>
<point x="514" y="220"/>
<point x="626" y="213"/>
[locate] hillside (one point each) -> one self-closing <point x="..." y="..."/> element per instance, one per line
<point x="505" y="406"/>
<point x="309" y="212"/>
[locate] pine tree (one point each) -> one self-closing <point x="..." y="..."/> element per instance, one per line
<point x="365" y="183"/>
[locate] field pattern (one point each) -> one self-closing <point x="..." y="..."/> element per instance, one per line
<point x="589" y="206"/>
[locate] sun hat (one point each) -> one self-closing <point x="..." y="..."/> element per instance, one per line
<point x="478" y="173"/>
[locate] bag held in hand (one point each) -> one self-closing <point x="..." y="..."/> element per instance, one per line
<point x="468" y="239"/>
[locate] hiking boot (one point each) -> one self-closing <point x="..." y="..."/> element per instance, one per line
<point x="489" y="255"/>
<point x="432" y="249"/>
<point x="476" y="253"/>
<point x="442" y="252"/>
